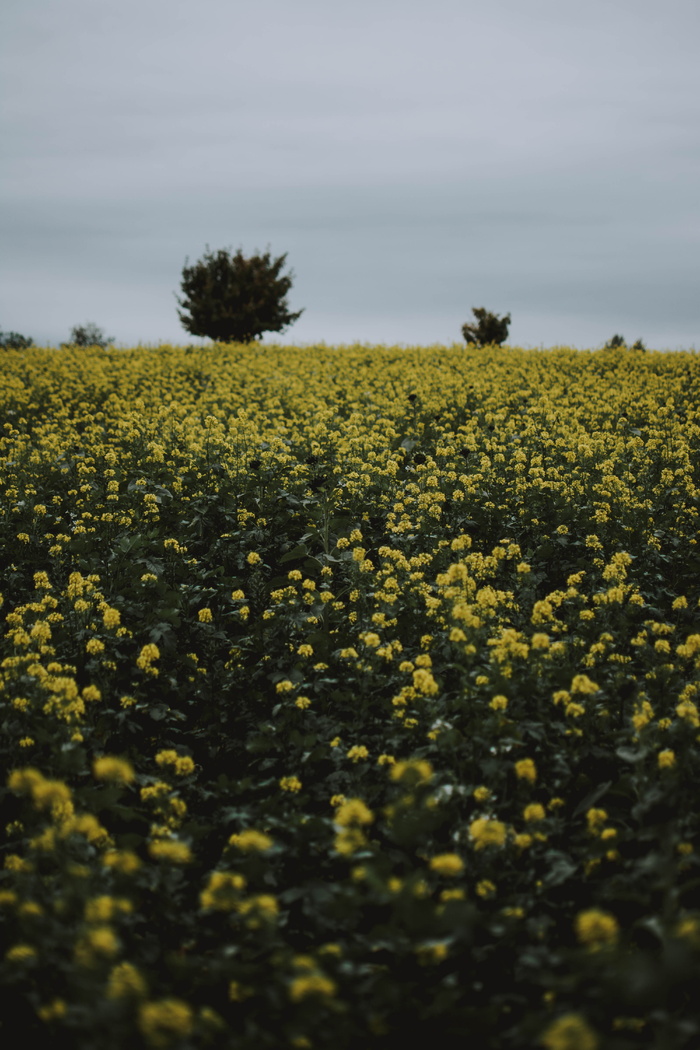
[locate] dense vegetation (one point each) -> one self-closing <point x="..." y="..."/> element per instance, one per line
<point x="350" y="697"/>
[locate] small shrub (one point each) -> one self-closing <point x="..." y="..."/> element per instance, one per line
<point x="490" y="328"/>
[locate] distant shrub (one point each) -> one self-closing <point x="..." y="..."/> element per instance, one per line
<point x="490" y="328"/>
<point x="88" y="335"/>
<point x="15" y="341"/>
<point x="618" y="342"/>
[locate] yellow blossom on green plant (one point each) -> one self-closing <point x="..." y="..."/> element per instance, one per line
<point x="170" y="850"/>
<point x="666" y="759"/>
<point x="487" y="832"/>
<point x="20" y="953"/>
<point x="525" y="769"/>
<point x="569" y="1032"/>
<point x="358" y="753"/>
<point x="353" y="811"/>
<point x="313" y="984"/>
<point x="596" y="928"/>
<point x="125" y="982"/>
<point x="165" y="1022"/>
<point x="111" y="768"/>
<point x="251" y="841"/>
<point x="447" y="864"/>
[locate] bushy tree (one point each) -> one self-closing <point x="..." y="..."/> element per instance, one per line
<point x="489" y="329"/>
<point x="230" y="298"/>
<point x="15" y="341"/>
<point x="88" y="335"/>
<point x="618" y="341"/>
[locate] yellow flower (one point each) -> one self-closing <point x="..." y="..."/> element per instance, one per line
<point x="569" y="1032"/>
<point x="251" y="841"/>
<point x="20" y="953"/>
<point x="148" y="654"/>
<point x="354" y="811"/>
<point x="595" y="818"/>
<point x="486" y="832"/>
<point x="182" y="764"/>
<point x="125" y="982"/>
<point x="481" y="793"/>
<point x="581" y="683"/>
<point x="412" y="772"/>
<point x="666" y="759"/>
<point x="689" y="712"/>
<point x="485" y="888"/>
<point x="499" y="703"/>
<point x="534" y="812"/>
<point x="349" y="840"/>
<point x="262" y="908"/>
<point x="358" y="753"/>
<point x="424" y="683"/>
<point x="124" y="861"/>
<point x="222" y="890"/>
<point x="115" y="769"/>
<point x="104" y="908"/>
<point x="165" y="1021"/>
<point x="525" y="769"/>
<point x="254" y="558"/>
<point x="170" y="850"/>
<point x="98" y="941"/>
<point x="111" y="618"/>
<point x="52" y="1011"/>
<point x="205" y="616"/>
<point x="313" y="984"/>
<point x="447" y="864"/>
<point x="596" y="928"/>
<point x="290" y="784"/>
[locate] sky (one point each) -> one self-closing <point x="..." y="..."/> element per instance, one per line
<point x="412" y="159"/>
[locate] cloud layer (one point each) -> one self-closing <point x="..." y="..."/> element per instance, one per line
<point x="413" y="160"/>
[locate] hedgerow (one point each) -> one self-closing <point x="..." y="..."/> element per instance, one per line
<point x="350" y="696"/>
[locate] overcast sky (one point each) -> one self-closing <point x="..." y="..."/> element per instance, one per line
<point x="413" y="159"/>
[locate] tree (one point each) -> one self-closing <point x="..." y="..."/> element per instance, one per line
<point x="490" y="328"/>
<point x="230" y="298"/>
<point x="88" y="335"/>
<point x="15" y="341"/>
<point x="618" y="342"/>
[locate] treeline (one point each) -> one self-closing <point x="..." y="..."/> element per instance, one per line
<point x="228" y="298"/>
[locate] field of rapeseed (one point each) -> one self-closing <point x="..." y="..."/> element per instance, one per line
<point x="349" y="697"/>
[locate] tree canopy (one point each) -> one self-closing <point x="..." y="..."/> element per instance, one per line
<point x="231" y="298"/>
<point x="489" y="329"/>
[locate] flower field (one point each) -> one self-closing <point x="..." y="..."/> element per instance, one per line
<point x="350" y="696"/>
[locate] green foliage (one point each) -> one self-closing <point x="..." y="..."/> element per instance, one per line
<point x="490" y="329"/>
<point x="241" y="591"/>
<point x="617" y="342"/>
<point x="83" y="335"/>
<point x="230" y="298"/>
<point x="15" y="341"/>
